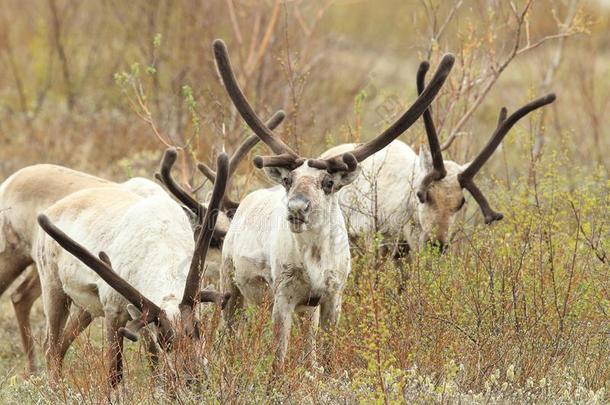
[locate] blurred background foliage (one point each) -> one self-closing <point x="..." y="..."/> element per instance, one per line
<point x="339" y="68"/>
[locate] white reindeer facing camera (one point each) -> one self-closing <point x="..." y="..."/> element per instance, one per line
<point x="291" y="239"/>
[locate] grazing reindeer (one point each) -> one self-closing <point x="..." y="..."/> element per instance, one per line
<point x="292" y="237"/>
<point x="148" y="239"/>
<point x="23" y="196"/>
<point x="383" y="199"/>
<point x="32" y="189"/>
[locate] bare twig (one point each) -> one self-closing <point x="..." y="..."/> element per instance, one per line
<point x="61" y="53"/>
<point x="552" y="69"/>
<point x="497" y="67"/>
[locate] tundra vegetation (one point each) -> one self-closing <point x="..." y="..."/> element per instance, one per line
<point x="516" y="311"/>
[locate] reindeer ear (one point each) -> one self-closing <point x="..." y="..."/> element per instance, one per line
<point x="425" y="159"/>
<point x="134" y="312"/>
<point x="277" y="174"/>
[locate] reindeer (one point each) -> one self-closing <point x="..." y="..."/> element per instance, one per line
<point x="292" y="237"/>
<point x="32" y="189"/>
<point x="22" y="197"/>
<point x="415" y="198"/>
<point x="148" y="239"/>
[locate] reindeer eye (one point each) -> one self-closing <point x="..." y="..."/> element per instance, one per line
<point x="287" y="182"/>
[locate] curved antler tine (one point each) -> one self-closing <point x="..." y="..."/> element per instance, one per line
<point x="205" y="236"/>
<point x="247" y="145"/>
<point x="435" y="147"/>
<point x="502" y="116"/>
<point x="102" y="267"/>
<point x="332" y="166"/>
<point x="348" y="162"/>
<point x="489" y="214"/>
<point x="411" y="115"/>
<point x="241" y="103"/>
<point x="167" y="162"/>
<point x="500" y="133"/>
<point x="283" y="160"/>
<point x="207" y="171"/>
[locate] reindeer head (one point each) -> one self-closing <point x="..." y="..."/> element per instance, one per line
<point x="440" y="186"/>
<point x="309" y="191"/>
<point x="311" y="183"/>
<point x="142" y="310"/>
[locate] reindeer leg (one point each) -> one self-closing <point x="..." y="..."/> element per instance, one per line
<point x="57" y="309"/>
<point x="311" y="320"/>
<point x="235" y="303"/>
<point x="330" y="309"/>
<point x="23" y="298"/>
<point x="282" y="322"/>
<point x="78" y="322"/>
<point x="11" y="266"/>
<point x="236" y="300"/>
<point x="115" y="350"/>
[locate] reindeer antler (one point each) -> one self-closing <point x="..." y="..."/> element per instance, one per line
<point x="504" y="125"/>
<point x="167" y="162"/>
<point x="286" y="157"/>
<point x="191" y="291"/>
<point x="438" y="172"/>
<point x="205" y="236"/>
<point x="244" y="108"/>
<point x="408" y="118"/>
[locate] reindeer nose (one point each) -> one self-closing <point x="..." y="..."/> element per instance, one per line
<point x="299" y="205"/>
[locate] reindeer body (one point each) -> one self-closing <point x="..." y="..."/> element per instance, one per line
<point x="151" y="244"/>
<point x="149" y="239"/>
<point x="301" y="269"/>
<point x="27" y="193"/>
<point x="23" y="196"/>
